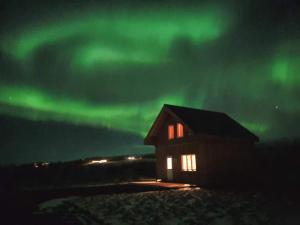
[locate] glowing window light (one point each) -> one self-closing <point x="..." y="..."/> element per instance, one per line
<point x="183" y="163"/>
<point x="188" y="162"/>
<point x="171" y="132"/>
<point x="169" y="163"/>
<point x="179" y="130"/>
<point x="193" y="162"/>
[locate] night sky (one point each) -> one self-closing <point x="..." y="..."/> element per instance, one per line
<point x="87" y="78"/>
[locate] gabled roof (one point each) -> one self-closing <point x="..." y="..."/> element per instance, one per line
<point x="202" y="122"/>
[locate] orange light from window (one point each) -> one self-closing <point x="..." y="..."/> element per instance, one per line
<point x="179" y="130"/>
<point x="171" y="132"/>
<point x="188" y="162"/>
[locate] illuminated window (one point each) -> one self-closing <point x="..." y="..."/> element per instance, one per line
<point x="183" y="163"/>
<point x="171" y="132"/>
<point x="179" y="130"/>
<point x="169" y="163"/>
<point x="188" y="162"/>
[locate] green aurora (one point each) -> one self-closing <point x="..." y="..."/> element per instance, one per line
<point x="115" y="66"/>
<point x="124" y="117"/>
<point x="120" y="37"/>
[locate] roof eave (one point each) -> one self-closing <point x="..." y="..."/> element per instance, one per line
<point x="147" y="140"/>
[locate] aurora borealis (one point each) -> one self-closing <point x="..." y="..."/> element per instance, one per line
<point x="109" y="66"/>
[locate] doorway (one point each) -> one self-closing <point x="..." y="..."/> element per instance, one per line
<point x="169" y="168"/>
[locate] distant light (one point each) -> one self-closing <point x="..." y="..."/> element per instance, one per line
<point x="40" y="164"/>
<point x="98" y="161"/>
<point x="158" y="180"/>
<point x="276" y="107"/>
<point x="131" y="158"/>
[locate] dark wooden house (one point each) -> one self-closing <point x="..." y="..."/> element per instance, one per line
<point x="201" y="147"/>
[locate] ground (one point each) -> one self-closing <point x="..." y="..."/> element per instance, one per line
<point x="191" y="205"/>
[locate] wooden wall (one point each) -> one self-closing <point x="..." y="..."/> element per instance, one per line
<point x="219" y="161"/>
<point x="162" y="139"/>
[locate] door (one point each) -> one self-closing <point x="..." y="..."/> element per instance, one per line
<point x="169" y="168"/>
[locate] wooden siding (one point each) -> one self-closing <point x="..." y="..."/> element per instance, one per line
<point x="163" y="139"/>
<point x="219" y="161"/>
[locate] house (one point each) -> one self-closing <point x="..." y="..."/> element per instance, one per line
<point x="201" y="147"/>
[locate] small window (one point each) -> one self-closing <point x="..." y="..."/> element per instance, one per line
<point x="169" y="163"/>
<point x="179" y="130"/>
<point x="171" y="132"/>
<point x="188" y="162"/>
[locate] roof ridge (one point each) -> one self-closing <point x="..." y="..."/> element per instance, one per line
<point x="192" y="108"/>
<point x="191" y="117"/>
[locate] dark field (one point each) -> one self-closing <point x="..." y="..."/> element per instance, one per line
<point x="275" y="180"/>
<point x="24" y="187"/>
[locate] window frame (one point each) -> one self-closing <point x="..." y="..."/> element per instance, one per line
<point x="169" y="163"/>
<point x="171" y="127"/>
<point x="188" y="163"/>
<point x="179" y="130"/>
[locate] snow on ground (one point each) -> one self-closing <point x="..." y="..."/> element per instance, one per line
<point x="54" y="203"/>
<point x="176" y="207"/>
